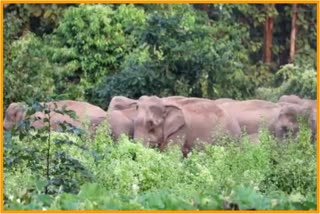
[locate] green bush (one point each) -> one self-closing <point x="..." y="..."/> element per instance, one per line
<point x="94" y="52"/>
<point x="88" y="47"/>
<point x="27" y="71"/>
<point x="291" y="79"/>
<point x="179" y="54"/>
<point x="101" y="174"/>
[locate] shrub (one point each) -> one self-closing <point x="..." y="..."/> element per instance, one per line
<point x="291" y="79"/>
<point x="87" y="47"/>
<point x="27" y="71"/>
<point x="128" y="175"/>
<point x="179" y="54"/>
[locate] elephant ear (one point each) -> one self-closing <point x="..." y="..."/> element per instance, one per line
<point x="131" y="111"/>
<point x="174" y="121"/>
<point x="133" y="105"/>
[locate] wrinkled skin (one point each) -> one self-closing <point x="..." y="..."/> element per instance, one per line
<point x="290" y="99"/>
<point x="122" y="103"/>
<point x="119" y="124"/>
<point x="13" y="115"/>
<point x="84" y="112"/>
<point x="252" y="114"/>
<point x="297" y="100"/>
<point x="121" y="112"/>
<point x="307" y="107"/>
<point x="280" y="118"/>
<point x="162" y="121"/>
<point x="287" y="120"/>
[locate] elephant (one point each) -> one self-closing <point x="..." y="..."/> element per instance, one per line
<point x="251" y="113"/>
<point x="290" y="99"/>
<point x="13" y="115"/>
<point x="279" y="118"/>
<point x="309" y="107"/>
<point x="163" y="121"/>
<point x="287" y="120"/>
<point x="121" y="112"/>
<point x="297" y="100"/>
<point x="84" y="111"/>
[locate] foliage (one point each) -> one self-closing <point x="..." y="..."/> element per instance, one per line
<point x="88" y="47"/>
<point x="306" y="42"/>
<point x="125" y="175"/>
<point x="161" y="49"/>
<point x="37" y="18"/>
<point x="94" y="52"/>
<point x="180" y="54"/>
<point x="26" y="64"/>
<point x="56" y="171"/>
<point x="291" y="79"/>
<point x="28" y="70"/>
<point x="139" y="77"/>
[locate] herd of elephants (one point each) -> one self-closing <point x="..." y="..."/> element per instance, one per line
<point x="185" y="121"/>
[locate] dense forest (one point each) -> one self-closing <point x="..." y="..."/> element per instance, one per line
<point x="211" y="50"/>
<point x="94" y="52"/>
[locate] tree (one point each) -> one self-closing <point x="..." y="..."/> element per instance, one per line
<point x="268" y="30"/>
<point x="293" y="32"/>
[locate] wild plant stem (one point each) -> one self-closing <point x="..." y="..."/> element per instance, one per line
<point x="48" y="153"/>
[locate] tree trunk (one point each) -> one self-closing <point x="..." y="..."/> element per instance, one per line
<point x="268" y="30"/>
<point x="293" y="32"/>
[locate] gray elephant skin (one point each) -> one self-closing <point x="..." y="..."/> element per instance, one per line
<point x="183" y="121"/>
<point x="121" y="112"/>
<point x="84" y="112"/>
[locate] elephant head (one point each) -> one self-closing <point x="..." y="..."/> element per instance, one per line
<point x="157" y="121"/>
<point x="121" y="103"/>
<point x="287" y="120"/>
<point x="124" y="104"/>
<point x="14" y="114"/>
